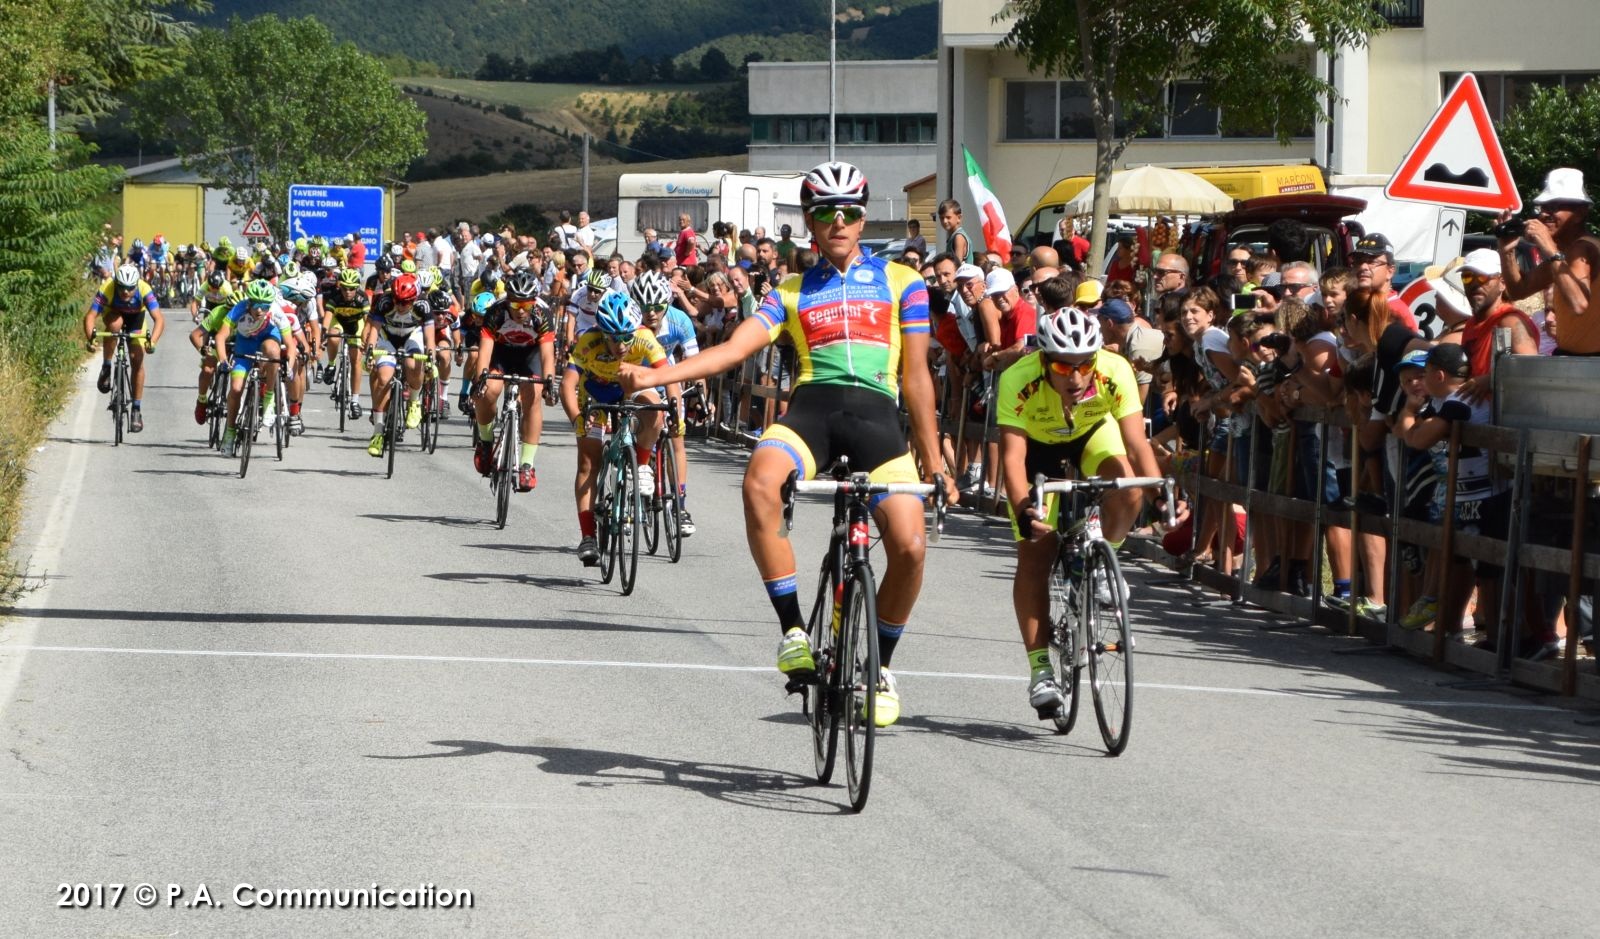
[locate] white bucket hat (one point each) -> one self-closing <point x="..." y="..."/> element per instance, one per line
<point x="1445" y="281"/>
<point x="1563" y="185"/>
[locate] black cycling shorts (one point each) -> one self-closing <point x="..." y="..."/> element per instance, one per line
<point x="826" y="422"/>
<point x="516" y="360"/>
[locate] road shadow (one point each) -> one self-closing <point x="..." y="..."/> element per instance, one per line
<point x="548" y="582"/>
<point x="219" y="474"/>
<point x="448" y="521"/>
<point x="772" y="790"/>
<point x="335" y="619"/>
<point x="526" y="548"/>
<point x="301" y="470"/>
<point x="1029" y="738"/>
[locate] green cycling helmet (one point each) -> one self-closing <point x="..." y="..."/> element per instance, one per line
<point x="291" y="269"/>
<point x="350" y="278"/>
<point x="261" y="291"/>
<point x="597" y="281"/>
<point x="408" y="266"/>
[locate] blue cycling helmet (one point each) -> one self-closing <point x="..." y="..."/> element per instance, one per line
<point x="618" y="316"/>
<point x="482" y="302"/>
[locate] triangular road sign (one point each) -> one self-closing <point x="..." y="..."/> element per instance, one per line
<point x="256" y="227"/>
<point x="1458" y="161"/>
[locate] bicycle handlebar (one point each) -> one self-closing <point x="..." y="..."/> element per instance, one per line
<point x="860" y="485"/>
<point x="1096" y="485"/>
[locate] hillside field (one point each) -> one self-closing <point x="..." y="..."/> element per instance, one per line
<point x="444" y="201"/>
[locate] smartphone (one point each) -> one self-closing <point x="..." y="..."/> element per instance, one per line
<point x="1244" y="301"/>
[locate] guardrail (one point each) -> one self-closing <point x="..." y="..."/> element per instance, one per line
<point x="1532" y="458"/>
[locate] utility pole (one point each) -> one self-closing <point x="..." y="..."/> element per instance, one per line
<point x="833" y="78"/>
<point x="50" y="109"/>
<point x="585" y="206"/>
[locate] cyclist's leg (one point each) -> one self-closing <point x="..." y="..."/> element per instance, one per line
<point x="649" y="425"/>
<point x="136" y="325"/>
<point x="583" y="485"/>
<point x="900" y="522"/>
<point x="1030" y="586"/>
<point x="1104" y="455"/>
<point x="532" y="418"/>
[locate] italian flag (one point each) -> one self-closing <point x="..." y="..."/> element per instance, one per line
<point x="996" y="234"/>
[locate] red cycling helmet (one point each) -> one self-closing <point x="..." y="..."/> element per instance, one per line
<point x="405" y="288"/>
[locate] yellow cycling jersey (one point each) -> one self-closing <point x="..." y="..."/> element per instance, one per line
<point x="477" y="288"/>
<point x="210" y="298"/>
<point x="593" y="358"/>
<point x="1025" y="399"/>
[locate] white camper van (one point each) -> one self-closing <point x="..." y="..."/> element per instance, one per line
<point x="748" y="200"/>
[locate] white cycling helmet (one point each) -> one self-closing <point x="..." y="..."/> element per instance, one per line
<point x="650" y="289"/>
<point x="1070" y="331"/>
<point x="427" y="279"/>
<point x="833" y="183"/>
<point x="127" y="276"/>
<point x="241" y="253"/>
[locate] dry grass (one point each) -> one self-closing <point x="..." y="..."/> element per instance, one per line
<point x="24" y="416"/>
<point x="461" y="128"/>
<point x="443" y="201"/>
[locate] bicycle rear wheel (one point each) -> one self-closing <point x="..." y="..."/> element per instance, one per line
<point x="824" y="717"/>
<point x="430" y="414"/>
<point x="1110" y="645"/>
<point x="628" y="533"/>
<point x="859" y="657"/>
<point x="607" y="521"/>
<point x="217" y="406"/>
<point x="1065" y="656"/>
<point x="672" y="509"/>
<point x="651" y="506"/>
<point x="341" y="387"/>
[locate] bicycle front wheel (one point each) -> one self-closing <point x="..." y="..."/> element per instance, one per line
<point x="505" y="469"/>
<point x="631" y="504"/>
<point x="607" y="522"/>
<point x="1066" y="658"/>
<point x="672" y="509"/>
<point x="341" y="387"/>
<point x="820" y="694"/>
<point x="1110" y="646"/>
<point x="650" y="504"/>
<point x="859" y="655"/>
<point x="430" y="414"/>
<point x="393" y="418"/>
<point x="245" y="424"/>
<point x="119" y="400"/>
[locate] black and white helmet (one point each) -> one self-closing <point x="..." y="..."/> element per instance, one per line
<point x="1070" y="331"/>
<point x="127" y="276"/>
<point x="833" y="184"/>
<point x="650" y="289"/>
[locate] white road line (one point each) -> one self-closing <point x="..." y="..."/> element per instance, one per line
<point x="16" y="636"/>
<point x="710" y="667"/>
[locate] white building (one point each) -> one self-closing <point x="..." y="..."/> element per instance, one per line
<point x="1028" y="131"/>
<point x="886" y="122"/>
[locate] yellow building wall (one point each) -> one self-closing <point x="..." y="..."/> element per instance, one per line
<point x="176" y="210"/>
<point x="1405" y="65"/>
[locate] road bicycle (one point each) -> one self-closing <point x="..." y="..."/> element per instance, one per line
<point x="249" y="420"/>
<point x="121" y="382"/>
<point x="344" y="389"/>
<point x="618" y="506"/>
<point x="1089" y="606"/>
<point x="844" y="623"/>
<point x="394" y="412"/>
<point x="662" y="506"/>
<point x="507" y="447"/>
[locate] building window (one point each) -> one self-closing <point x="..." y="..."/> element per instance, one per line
<point x="662" y="214"/>
<point x="1031" y="110"/>
<point x="1192" y="115"/>
<point x="760" y="130"/>
<point x="1506" y="91"/>
<point x="856" y="129"/>
<point x="1189" y="116"/>
<point x="1405" y="14"/>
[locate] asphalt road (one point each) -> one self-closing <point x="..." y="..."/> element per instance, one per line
<point x="316" y="678"/>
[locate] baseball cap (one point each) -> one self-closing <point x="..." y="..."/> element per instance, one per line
<point x="1373" y="245"/>
<point x="999" y="281"/>
<point x="969" y="271"/>
<point x="1451" y="358"/>
<point x="1483" y="261"/>
<point x="1416" y="358"/>
<point x="1117" y="311"/>
<point x="1088" y="292"/>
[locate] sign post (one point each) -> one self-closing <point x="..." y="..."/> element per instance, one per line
<point x="336" y="211"/>
<point x="1457" y="162"/>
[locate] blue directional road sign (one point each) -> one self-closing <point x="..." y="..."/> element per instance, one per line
<point x="334" y="211"/>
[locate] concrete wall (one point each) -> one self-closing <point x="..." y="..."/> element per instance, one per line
<point x="889" y="167"/>
<point x="1461" y="36"/>
<point x="877" y="87"/>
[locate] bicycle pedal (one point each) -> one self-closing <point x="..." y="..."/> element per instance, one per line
<point x="797" y="684"/>
<point x="1048" y="713"/>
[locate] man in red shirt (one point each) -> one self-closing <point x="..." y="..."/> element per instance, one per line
<point x="1481" y="276"/>
<point x="1373" y="260"/>
<point x="1018" y="319"/>
<point x="684" y="248"/>
<point x="358" y="251"/>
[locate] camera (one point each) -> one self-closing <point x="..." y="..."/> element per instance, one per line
<point x="1510" y="228"/>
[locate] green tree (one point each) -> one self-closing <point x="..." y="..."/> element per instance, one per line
<point x="714" y="66"/>
<point x="1252" y="58"/>
<point x="1554" y="127"/>
<point x="243" y="112"/>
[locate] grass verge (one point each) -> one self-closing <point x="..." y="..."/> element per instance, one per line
<point x="26" y="410"/>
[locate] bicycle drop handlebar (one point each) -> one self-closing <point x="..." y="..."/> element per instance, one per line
<point x="1095" y="486"/>
<point x="859" y="486"/>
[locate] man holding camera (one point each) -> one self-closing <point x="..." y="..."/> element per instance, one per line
<point x="1571" y="260"/>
